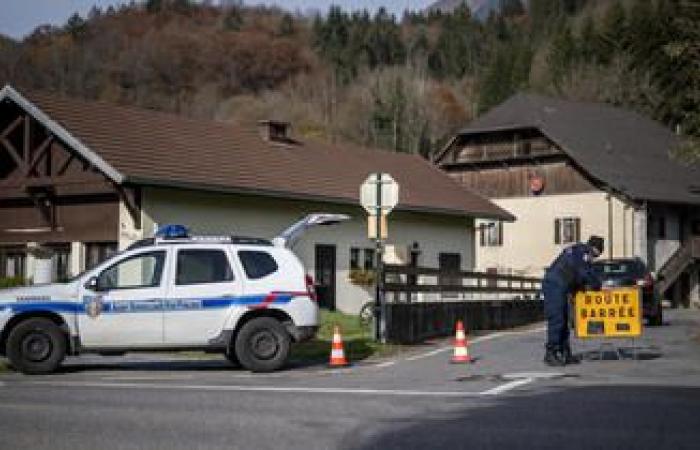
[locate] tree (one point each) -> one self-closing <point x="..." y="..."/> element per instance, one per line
<point x="286" y="26"/>
<point x="76" y="26"/>
<point x="511" y="8"/>
<point x="612" y="32"/>
<point x="562" y="55"/>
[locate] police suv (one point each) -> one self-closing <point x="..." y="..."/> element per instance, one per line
<point x="247" y="298"/>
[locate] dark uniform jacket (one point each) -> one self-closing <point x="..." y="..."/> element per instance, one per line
<point x="572" y="270"/>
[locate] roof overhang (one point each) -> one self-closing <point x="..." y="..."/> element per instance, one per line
<point x="8" y="92"/>
<point x="345" y="201"/>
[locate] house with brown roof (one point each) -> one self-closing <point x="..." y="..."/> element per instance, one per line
<point x="86" y="179"/>
<point x="570" y="169"/>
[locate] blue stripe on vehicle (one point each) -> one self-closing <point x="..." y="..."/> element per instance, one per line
<point x="146" y="305"/>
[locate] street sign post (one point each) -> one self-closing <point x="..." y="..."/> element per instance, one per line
<point x="379" y="194"/>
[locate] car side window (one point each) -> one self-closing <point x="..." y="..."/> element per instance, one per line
<point x="198" y="266"/>
<point x="257" y="264"/>
<point x="139" y="271"/>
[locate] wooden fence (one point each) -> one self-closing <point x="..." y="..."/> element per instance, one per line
<point x="426" y="302"/>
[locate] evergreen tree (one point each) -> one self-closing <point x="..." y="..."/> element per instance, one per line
<point x="613" y="32"/>
<point x="562" y="55"/>
<point x="286" y="26"/>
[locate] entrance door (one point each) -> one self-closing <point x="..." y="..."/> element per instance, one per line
<point x="325" y="276"/>
<point x="450" y="264"/>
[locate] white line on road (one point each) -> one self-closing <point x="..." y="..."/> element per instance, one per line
<point x="293" y="390"/>
<point x="508" y="386"/>
<point x="277" y="389"/>
<point x="488" y="337"/>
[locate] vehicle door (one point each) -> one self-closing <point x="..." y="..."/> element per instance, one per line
<point x="123" y="302"/>
<point x="205" y="286"/>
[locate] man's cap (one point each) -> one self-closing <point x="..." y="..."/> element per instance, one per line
<point x="597" y="243"/>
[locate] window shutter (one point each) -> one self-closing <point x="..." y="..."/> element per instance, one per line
<point x="482" y="237"/>
<point x="577" y="222"/>
<point x="500" y="234"/>
<point x="557" y="231"/>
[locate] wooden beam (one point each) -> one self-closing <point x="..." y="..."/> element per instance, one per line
<point x="132" y="200"/>
<point x="39" y="153"/>
<point x="12" y="151"/>
<point x="27" y="137"/>
<point x="11" y="127"/>
<point x="65" y="164"/>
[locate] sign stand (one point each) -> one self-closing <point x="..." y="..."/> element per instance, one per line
<point x="380" y="323"/>
<point x="379" y="194"/>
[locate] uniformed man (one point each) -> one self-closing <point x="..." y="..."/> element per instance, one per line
<point x="572" y="271"/>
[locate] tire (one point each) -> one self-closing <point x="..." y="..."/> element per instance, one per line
<point x="232" y="358"/>
<point x="657" y="319"/>
<point x="262" y="345"/>
<point x="36" y="346"/>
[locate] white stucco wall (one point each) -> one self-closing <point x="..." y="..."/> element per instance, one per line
<point x="208" y="213"/>
<point x="528" y="243"/>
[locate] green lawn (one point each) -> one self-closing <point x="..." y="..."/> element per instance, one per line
<point x="357" y="340"/>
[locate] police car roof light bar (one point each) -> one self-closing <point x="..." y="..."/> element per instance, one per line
<point x="172" y="231"/>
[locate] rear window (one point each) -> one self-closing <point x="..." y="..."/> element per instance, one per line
<point x="612" y="269"/>
<point x="257" y="264"/>
<point x="202" y="266"/>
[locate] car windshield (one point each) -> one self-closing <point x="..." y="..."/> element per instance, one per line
<point x="616" y="269"/>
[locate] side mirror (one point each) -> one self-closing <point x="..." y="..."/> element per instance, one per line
<point x="91" y="284"/>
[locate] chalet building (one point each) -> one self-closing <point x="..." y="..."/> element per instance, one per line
<point x="86" y="179"/>
<point x="567" y="170"/>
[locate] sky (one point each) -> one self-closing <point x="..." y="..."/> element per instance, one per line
<point x="20" y="17"/>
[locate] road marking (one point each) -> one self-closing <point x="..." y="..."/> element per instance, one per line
<point x="533" y="375"/>
<point x="290" y="390"/>
<point x="386" y="364"/>
<point x="275" y="389"/>
<point x="508" y="386"/>
<point x="487" y="337"/>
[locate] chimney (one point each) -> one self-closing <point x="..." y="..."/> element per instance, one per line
<point x="274" y="130"/>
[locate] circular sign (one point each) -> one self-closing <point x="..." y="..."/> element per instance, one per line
<point x="536" y="184"/>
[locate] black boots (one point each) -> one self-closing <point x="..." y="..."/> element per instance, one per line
<point x="558" y="357"/>
<point x="569" y="358"/>
<point x="554" y="357"/>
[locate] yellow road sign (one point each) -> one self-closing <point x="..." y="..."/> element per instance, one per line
<point x="609" y="313"/>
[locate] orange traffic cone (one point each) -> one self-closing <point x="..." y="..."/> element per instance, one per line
<point x="461" y="354"/>
<point x="337" y="352"/>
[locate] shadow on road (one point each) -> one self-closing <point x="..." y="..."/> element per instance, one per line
<point x="585" y="418"/>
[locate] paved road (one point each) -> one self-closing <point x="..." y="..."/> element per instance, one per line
<point x="507" y="399"/>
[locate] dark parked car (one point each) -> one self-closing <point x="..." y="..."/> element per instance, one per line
<point x="626" y="272"/>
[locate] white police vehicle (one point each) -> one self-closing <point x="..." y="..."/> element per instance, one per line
<point x="247" y="298"/>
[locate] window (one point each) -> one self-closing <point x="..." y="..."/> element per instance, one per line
<point x="60" y="262"/>
<point x="13" y="262"/>
<point x="362" y="258"/>
<point x="139" y="271"/>
<point x="695" y="228"/>
<point x="491" y="234"/>
<point x="370" y="258"/>
<point x="567" y="230"/>
<point x="98" y="252"/>
<point x="257" y="264"/>
<point x="662" y="227"/>
<point x="202" y="266"/>
<point x="354" y="258"/>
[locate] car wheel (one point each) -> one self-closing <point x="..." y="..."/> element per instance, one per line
<point x="232" y="358"/>
<point x="262" y="345"/>
<point x="36" y="346"/>
<point x="658" y="318"/>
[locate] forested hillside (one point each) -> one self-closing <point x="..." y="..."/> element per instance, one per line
<point x="399" y="83"/>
